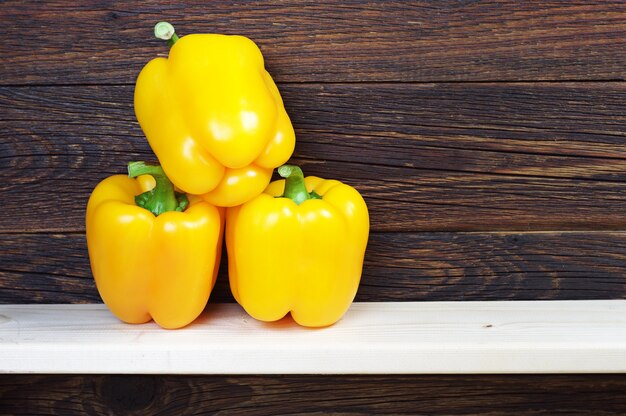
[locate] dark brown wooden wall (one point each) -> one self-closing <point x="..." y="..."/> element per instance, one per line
<point x="487" y="137"/>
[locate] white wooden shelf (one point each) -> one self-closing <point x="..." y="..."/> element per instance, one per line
<point x="389" y="338"/>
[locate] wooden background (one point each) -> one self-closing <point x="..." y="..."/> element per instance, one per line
<point x="488" y="139"/>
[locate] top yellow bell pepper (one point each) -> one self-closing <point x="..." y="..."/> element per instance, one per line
<point x="213" y="116"/>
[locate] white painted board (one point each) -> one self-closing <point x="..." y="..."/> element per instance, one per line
<point x="373" y="338"/>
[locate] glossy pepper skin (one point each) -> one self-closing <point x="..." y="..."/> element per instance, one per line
<point x="151" y="267"/>
<point x="214" y="116"/>
<point x="300" y="254"/>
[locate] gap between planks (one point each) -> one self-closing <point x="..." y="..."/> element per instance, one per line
<point x="364" y="83"/>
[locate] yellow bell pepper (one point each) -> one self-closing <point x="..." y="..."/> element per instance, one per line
<point x="149" y="260"/>
<point x="298" y="247"/>
<point x="213" y="116"/>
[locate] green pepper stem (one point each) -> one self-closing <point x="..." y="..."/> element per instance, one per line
<point x="162" y="198"/>
<point x="295" y="188"/>
<point x="165" y="31"/>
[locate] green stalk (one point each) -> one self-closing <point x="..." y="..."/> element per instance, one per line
<point x="162" y="198"/>
<point x="295" y="189"/>
<point x="165" y="31"/>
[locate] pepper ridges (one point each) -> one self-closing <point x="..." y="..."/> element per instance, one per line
<point x="298" y="248"/>
<point x="213" y="116"/>
<point x="147" y="266"/>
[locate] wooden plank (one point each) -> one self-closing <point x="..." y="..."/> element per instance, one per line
<point x="54" y="268"/>
<point x="426" y="157"/>
<point x="523" y="395"/>
<point x="372" y="338"/>
<point x="109" y="42"/>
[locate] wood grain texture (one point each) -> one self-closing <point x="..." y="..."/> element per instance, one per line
<point x="439" y="157"/>
<point x="428" y="157"/>
<point x="306" y="41"/>
<point x="313" y="395"/>
<point x="54" y="268"/>
<point x="490" y="337"/>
